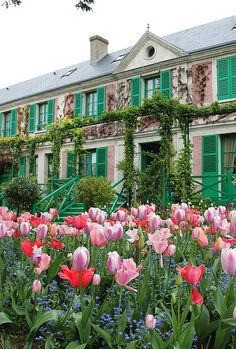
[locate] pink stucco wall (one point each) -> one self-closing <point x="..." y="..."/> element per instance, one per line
<point x="111" y="162"/>
<point x="197" y="155"/>
<point x="202" y="83"/>
<point x="111" y="97"/>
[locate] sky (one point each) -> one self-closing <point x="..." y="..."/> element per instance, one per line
<point x="42" y="36"/>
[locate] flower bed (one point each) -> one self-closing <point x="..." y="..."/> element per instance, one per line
<point x="136" y="280"/>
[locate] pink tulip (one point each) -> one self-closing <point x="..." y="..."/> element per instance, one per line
<point x="46" y="216"/>
<point x="97" y="237"/>
<point x="42" y="230"/>
<point x="113" y="262"/>
<point x="209" y="214"/>
<point x="160" y="246"/>
<point x="133" y="211"/>
<point x="170" y="251"/>
<point x="25" y="228"/>
<point x="221" y="210"/>
<point x="53" y="212"/>
<point x="96" y="279"/>
<point x="92" y="213"/>
<point x="217" y="220"/>
<point x="3" y="229"/>
<point x="154" y="221"/>
<point x="43" y="264"/>
<point x="142" y="212"/>
<point x="228" y="260"/>
<point x="101" y="217"/>
<point x="202" y="239"/>
<point x="224" y="227"/>
<point x="127" y="272"/>
<point x="118" y="231"/>
<point x="150" y="321"/>
<point x="179" y="215"/>
<point x="109" y="232"/>
<point x="133" y="235"/>
<point x="36" y="255"/>
<point x="36" y="287"/>
<point x="81" y="258"/>
<point x="121" y="215"/>
<point x="195" y="233"/>
<point x="233" y="224"/>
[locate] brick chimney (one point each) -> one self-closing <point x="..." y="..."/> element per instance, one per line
<point x="98" y="48"/>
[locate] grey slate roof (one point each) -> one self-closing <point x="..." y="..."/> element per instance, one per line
<point x="205" y="36"/>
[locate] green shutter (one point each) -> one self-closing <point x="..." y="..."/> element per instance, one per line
<point x="136" y="91"/>
<point x="101" y="100"/>
<point x="22" y="172"/>
<point x="0" y="124"/>
<point x="165" y="83"/>
<point x="223" y="78"/>
<point x="210" y="165"/>
<point x="13" y="122"/>
<point x="32" y="117"/>
<point x="101" y="162"/>
<point x="78" y="105"/>
<point x="50" y="111"/>
<point x="233" y="76"/>
<point x="70" y="165"/>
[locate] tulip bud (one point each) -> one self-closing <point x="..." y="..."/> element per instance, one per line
<point x="96" y="279"/>
<point x="127" y="246"/>
<point x="81" y="258"/>
<point x="234" y="313"/>
<point x="121" y="215"/>
<point x="36" y="287"/>
<point x="118" y="231"/>
<point x="141" y="242"/>
<point x="150" y="321"/>
<point x="42" y="231"/>
<point x="25" y="228"/>
<point x="173" y="298"/>
<point x="92" y="212"/>
<point x="179" y="280"/>
<point x="113" y="262"/>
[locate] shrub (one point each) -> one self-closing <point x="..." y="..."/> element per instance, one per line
<point x="94" y="191"/>
<point x="21" y="193"/>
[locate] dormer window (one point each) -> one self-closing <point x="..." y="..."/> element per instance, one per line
<point x="69" y="72"/>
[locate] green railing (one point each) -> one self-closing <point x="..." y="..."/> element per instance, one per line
<point x="58" y="198"/>
<point x="120" y="199"/>
<point x="220" y="190"/>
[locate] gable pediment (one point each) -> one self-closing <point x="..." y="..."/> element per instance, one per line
<point x="150" y="49"/>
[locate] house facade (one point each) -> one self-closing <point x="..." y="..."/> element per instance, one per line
<point x="197" y="65"/>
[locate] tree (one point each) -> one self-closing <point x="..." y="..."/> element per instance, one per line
<point x="84" y="5"/>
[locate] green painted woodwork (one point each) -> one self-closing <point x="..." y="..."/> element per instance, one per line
<point x="210" y="165"/>
<point x="22" y="171"/>
<point x="226" y="78"/>
<point x="70" y="164"/>
<point x="51" y="104"/>
<point x="32" y="118"/>
<point x="1" y="125"/>
<point x="151" y="86"/>
<point x="101" y="161"/>
<point x="166" y="83"/>
<point x="101" y="100"/>
<point x="13" y="122"/>
<point x="136" y="91"/>
<point x="228" y="165"/>
<point x="78" y="105"/>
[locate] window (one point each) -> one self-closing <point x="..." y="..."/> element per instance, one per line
<point x="49" y="160"/>
<point x="69" y="72"/>
<point x="151" y="86"/>
<point x="89" y="163"/>
<point x="42" y="115"/>
<point x="6" y="124"/>
<point x="35" y="168"/>
<point x="226" y="78"/>
<point x="119" y="58"/>
<point x="91" y="104"/>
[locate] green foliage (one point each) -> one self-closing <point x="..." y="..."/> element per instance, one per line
<point x="94" y="191"/>
<point x="21" y="193"/>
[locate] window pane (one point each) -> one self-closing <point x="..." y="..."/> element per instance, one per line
<point x="92" y="104"/>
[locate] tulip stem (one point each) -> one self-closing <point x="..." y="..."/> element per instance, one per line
<point x="118" y="327"/>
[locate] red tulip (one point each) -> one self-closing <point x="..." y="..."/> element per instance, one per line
<point x="195" y="296"/>
<point x="27" y="246"/>
<point x="76" y="278"/>
<point x="191" y="273"/>
<point x="56" y="244"/>
<point x="35" y="221"/>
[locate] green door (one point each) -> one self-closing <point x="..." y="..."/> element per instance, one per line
<point x="228" y="166"/>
